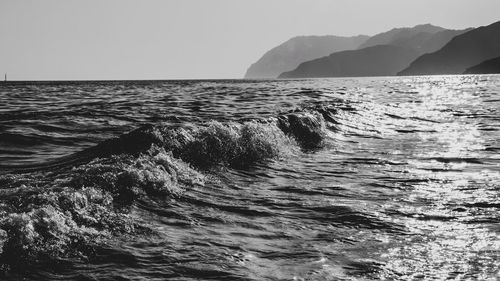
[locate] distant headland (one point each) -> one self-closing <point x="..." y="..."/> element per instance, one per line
<point x="420" y="50"/>
<point x="487" y="67"/>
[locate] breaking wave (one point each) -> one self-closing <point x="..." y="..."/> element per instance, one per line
<point x="231" y="144"/>
<point x="51" y="214"/>
<point x="43" y="218"/>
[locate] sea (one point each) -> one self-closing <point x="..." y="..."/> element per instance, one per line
<point x="387" y="178"/>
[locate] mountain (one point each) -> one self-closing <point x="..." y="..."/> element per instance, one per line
<point x="410" y="43"/>
<point x="381" y="60"/>
<point x="440" y="39"/>
<point x="425" y="42"/>
<point x="463" y="51"/>
<point x="486" y="67"/>
<point x="424" y="38"/>
<point x="290" y="54"/>
<point x="393" y="36"/>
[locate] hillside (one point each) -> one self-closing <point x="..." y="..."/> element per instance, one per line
<point x="290" y="54"/>
<point x="393" y="36"/>
<point x="462" y="52"/>
<point x="487" y="67"/>
<point x="382" y="60"/>
<point x="412" y="43"/>
<point x="425" y="42"/>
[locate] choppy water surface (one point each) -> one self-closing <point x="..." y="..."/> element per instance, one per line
<point x="331" y="179"/>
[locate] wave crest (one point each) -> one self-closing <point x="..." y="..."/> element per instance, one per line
<point x="234" y="145"/>
<point x="231" y="144"/>
<point x="308" y="128"/>
<point x="65" y="218"/>
<point x="155" y="172"/>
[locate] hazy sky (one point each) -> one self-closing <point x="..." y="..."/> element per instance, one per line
<point x="175" y="39"/>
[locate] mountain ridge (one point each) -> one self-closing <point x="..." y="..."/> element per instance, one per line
<point x="296" y="50"/>
<point x="388" y="37"/>
<point x="460" y="53"/>
<point x="411" y="43"/>
<point x="380" y="60"/>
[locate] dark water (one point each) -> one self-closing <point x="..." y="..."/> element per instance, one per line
<point x="340" y="179"/>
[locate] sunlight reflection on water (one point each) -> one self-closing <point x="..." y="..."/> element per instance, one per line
<point x="450" y="239"/>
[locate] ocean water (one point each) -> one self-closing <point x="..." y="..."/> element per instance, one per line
<point x="321" y="179"/>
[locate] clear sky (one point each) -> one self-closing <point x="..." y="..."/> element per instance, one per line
<point x="176" y="39"/>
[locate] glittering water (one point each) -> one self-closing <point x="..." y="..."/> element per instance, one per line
<point x="401" y="183"/>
